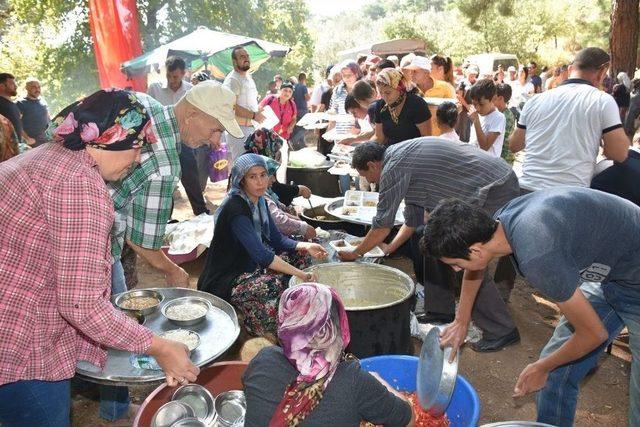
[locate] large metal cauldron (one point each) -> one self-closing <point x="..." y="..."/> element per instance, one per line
<point x="318" y="179"/>
<point x="378" y="301"/>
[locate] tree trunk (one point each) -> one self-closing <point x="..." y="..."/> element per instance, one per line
<point x="623" y="39"/>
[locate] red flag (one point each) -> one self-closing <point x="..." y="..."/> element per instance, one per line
<point x="116" y="39"/>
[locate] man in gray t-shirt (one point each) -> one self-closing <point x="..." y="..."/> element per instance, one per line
<point x="422" y="172"/>
<point x="35" y="114"/>
<point x="577" y="246"/>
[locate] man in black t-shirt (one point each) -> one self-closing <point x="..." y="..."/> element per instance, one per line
<point x="8" y="108"/>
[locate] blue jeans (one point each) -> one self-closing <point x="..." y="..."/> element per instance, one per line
<point x="617" y="306"/>
<point x="35" y="403"/>
<point x="118" y="283"/>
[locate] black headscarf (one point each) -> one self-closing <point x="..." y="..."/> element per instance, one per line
<point x="112" y="119"/>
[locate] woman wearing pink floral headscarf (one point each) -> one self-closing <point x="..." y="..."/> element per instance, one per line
<point x="306" y="381"/>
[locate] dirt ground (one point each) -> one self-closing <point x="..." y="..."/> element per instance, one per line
<point x="603" y="398"/>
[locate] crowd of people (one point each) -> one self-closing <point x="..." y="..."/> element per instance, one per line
<point x="92" y="188"/>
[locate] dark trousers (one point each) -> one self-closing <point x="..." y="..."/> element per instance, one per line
<point x="490" y="312"/>
<point x="194" y="164"/>
<point x="621" y="179"/>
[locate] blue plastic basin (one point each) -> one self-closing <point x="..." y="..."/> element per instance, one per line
<point x="400" y="372"/>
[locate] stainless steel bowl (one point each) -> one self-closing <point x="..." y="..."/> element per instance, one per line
<point x="124" y="296"/>
<point x="200" y="400"/>
<point x="186" y="300"/>
<point x="230" y="407"/>
<point x="170" y="413"/>
<point x="190" y="422"/>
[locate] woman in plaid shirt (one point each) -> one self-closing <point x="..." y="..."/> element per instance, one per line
<point x="55" y="261"/>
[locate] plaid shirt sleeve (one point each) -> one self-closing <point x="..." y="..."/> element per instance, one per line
<point x="144" y="198"/>
<point x="79" y="221"/>
<point x="150" y="211"/>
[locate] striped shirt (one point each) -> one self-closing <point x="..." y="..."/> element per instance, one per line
<point x="338" y="97"/>
<point x="143" y="200"/>
<point x="423" y="171"/>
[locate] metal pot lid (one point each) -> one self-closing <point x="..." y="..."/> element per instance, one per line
<point x="518" y="424"/>
<point x="436" y="377"/>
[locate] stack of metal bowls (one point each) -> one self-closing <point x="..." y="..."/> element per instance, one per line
<point x="193" y="406"/>
<point x="189" y="422"/>
<point x="199" y="399"/>
<point x="170" y="413"/>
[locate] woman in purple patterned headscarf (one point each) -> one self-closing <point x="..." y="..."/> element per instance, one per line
<point x="306" y="380"/>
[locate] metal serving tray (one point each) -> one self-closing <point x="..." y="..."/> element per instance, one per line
<point x="218" y="332"/>
<point x="335" y="208"/>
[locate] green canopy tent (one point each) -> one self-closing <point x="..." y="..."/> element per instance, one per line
<point x="219" y="64"/>
<point x="205" y="48"/>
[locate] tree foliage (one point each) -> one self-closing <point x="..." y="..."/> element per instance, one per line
<point x="51" y="40"/>
<point x="546" y="30"/>
<point x="58" y="32"/>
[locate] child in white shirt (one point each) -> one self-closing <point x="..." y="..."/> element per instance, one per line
<point x="487" y="123"/>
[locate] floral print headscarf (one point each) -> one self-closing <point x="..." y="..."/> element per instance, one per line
<point x="394" y="78"/>
<point x="313" y="330"/>
<point x="264" y="142"/>
<point x="111" y="119"/>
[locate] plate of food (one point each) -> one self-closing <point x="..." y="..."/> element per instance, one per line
<point x="340" y="245"/>
<point x="184" y="336"/>
<point x="351" y="244"/>
<point x="186" y="311"/>
<point x="143" y="301"/>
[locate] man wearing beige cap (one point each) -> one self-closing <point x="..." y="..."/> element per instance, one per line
<point x="143" y="200"/>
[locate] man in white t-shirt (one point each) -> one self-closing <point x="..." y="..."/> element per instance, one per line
<point x="561" y="130"/>
<point x="487" y="123"/>
<point x="241" y="83"/>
